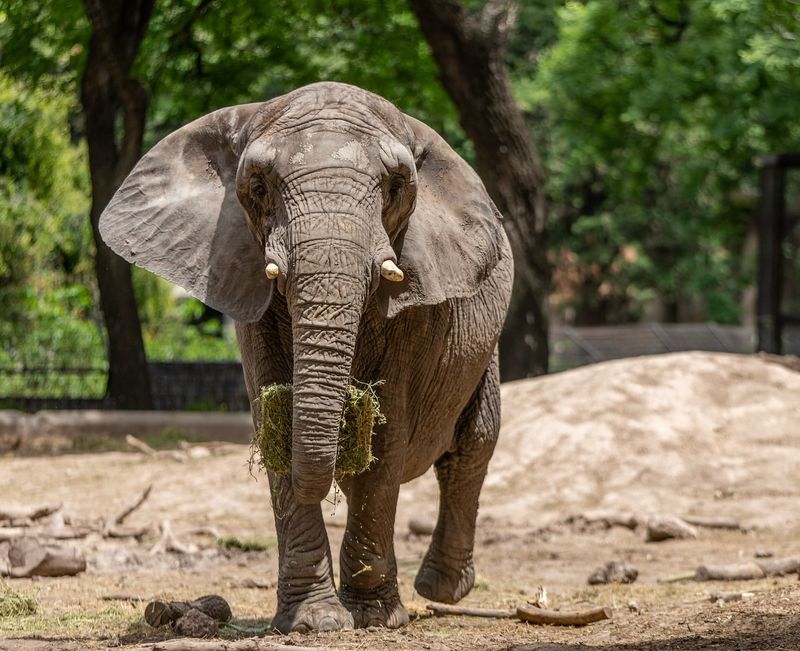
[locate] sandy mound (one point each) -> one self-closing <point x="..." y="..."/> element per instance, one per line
<point x="693" y="432"/>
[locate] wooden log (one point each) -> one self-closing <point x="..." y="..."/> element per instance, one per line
<point x="749" y="570"/>
<point x="779" y="566"/>
<point x="712" y="522"/>
<point x="563" y="618"/>
<point x="444" y="610"/>
<point x="731" y="572"/>
<point x="28" y="557"/>
<point x="249" y="644"/>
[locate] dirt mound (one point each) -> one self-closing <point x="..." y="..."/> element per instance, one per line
<point x="686" y="432"/>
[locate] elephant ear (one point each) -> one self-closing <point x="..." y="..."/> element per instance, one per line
<point x="178" y="216"/>
<point x="454" y="237"/>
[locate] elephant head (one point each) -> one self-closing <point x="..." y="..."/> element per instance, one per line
<point x="328" y="194"/>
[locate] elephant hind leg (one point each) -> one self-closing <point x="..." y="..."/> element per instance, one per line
<point x="447" y="573"/>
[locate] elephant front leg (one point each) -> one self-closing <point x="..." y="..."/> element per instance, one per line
<point x="368" y="570"/>
<point x="447" y="573"/>
<point x="307" y="599"/>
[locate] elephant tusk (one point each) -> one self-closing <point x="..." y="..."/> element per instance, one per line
<point x="272" y="271"/>
<point x="390" y="271"/>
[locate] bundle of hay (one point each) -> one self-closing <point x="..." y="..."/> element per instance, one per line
<point x="272" y="440"/>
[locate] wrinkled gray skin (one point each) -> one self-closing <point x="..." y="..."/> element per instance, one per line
<point x="328" y="182"/>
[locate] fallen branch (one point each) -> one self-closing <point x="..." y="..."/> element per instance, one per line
<point x="250" y="644"/>
<point x="119" y="519"/>
<point x="667" y="527"/>
<point x="141" y="446"/>
<point x="712" y="522"/>
<point x="606" y="520"/>
<point x="67" y="533"/>
<point x="169" y="543"/>
<point x="443" y="610"/>
<point x="112" y="527"/>
<point x="726" y="597"/>
<point x="535" y="615"/>
<point x="24" y="514"/>
<point x="686" y="576"/>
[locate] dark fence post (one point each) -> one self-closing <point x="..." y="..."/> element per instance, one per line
<point x="770" y="268"/>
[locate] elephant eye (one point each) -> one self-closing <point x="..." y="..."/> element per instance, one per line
<point x="395" y="187"/>
<point x="258" y="188"/>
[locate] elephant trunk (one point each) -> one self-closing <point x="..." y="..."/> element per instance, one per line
<point x="327" y="293"/>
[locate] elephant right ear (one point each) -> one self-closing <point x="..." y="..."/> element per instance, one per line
<point x="177" y="215"/>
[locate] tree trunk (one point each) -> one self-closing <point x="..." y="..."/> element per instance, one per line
<point x="110" y="99"/>
<point x="470" y="50"/>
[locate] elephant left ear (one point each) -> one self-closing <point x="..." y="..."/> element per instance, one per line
<point x="178" y="215"/>
<point x="454" y="237"/>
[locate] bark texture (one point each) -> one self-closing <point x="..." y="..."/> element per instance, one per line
<point x="469" y="48"/>
<point x="110" y="98"/>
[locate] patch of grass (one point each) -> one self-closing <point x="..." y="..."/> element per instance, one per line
<point x="272" y="442"/>
<point x="481" y="584"/>
<point x="169" y="438"/>
<point x="15" y="604"/>
<point x="88" y="623"/>
<point x="254" y="544"/>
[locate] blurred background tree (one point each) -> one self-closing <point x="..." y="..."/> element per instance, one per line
<point x="648" y="116"/>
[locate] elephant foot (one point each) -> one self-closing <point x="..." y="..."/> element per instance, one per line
<point x="445" y="580"/>
<point x="308" y="617"/>
<point x="379" y="607"/>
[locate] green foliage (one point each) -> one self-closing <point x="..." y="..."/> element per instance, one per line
<point x="655" y="112"/>
<point x="235" y="52"/>
<point x="46" y="282"/>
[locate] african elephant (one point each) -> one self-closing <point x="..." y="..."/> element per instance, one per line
<point x="385" y="260"/>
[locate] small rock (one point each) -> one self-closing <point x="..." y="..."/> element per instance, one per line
<point x="196" y="624"/>
<point x="634" y="606"/>
<point x="614" y="572"/>
<point x="763" y="553"/>
<point x="666" y="527"/>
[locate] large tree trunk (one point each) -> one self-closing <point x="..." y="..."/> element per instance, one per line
<point x="109" y="97"/>
<point x="470" y="50"/>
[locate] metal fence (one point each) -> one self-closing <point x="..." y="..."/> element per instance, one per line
<point x="220" y="385"/>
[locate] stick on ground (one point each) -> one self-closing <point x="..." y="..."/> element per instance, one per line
<point x="250" y="644"/>
<point x="563" y="618"/>
<point x="443" y="610"/>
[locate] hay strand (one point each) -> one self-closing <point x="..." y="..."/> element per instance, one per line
<point x="272" y="442"/>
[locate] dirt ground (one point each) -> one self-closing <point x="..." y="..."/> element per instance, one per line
<point x="684" y="434"/>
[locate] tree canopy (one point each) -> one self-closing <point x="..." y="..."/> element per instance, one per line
<point x="649" y="116"/>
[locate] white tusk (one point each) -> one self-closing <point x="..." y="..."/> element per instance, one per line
<point x="390" y="271"/>
<point x="272" y="271"/>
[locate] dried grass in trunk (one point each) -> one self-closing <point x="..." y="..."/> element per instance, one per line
<point x="272" y="442"/>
